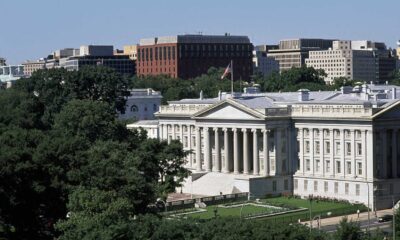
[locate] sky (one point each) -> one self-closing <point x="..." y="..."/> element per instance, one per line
<point x="32" y="29"/>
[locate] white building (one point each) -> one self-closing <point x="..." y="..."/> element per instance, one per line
<point x="10" y="74"/>
<point x="336" y="144"/>
<point x="141" y="104"/>
<point x="350" y="59"/>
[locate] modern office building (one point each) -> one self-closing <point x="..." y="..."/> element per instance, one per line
<point x="32" y="66"/>
<point x="9" y="74"/>
<point x="358" y="60"/>
<point x="262" y="63"/>
<point x="334" y="144"/>
<point x="141" y="104"/>
<point x="292" y="53"/>
<point x="189" y="56"/>
<point x="121" y="64"/>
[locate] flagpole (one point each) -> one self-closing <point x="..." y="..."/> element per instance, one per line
<point x="232" y="78"/>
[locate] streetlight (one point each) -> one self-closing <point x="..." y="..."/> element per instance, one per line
<point x="310" y="197"/>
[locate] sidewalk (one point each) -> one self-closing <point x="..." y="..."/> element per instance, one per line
<point x="352" y="217"/>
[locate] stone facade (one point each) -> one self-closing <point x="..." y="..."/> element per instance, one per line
<point x="339" y="144"/>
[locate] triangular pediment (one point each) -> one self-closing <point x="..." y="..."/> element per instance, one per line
<point x="391" y="112"/>
<point x="228" y="110"/>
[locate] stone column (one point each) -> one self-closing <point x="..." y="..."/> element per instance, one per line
<point x="226" y="151"/>
<point x="384" y="149"/>
<point x="394" y="153"/>
<point x="342" y="154"/>
<point x="198" y="149"/>
<point x="277" y="140"/>
<point x="190" y="144"/>
<point x="312" y="167"/>
<point x="301" y="150"/>
<point x="217" y="151"/>
<point x="245" y="152"/>
<point x="256" y="161"/>
<point x="332" y="151"/>
<point x="266" y="153"/>
<point x="181" y="136"/>
<point x="161" y="131"/>
<point x="207" y="150"/>
<point x="168" y="139"/>
<point x="364" y="153"/>
<point x="353" y="153"/>
<point x="321" y="150"/>
<point x="289" y="151"/>
<point x="235" y="151"/>
<point x="173" y="132"/>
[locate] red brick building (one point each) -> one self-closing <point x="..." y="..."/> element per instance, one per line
<point x="188" y="56"/>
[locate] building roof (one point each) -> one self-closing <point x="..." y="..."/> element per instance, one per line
<point x="193" y="38"/>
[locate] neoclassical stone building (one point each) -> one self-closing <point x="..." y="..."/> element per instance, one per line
<point x="337" y="144"/>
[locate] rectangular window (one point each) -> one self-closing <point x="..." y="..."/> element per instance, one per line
<point x="357" y="189"/>
<point x="359" y="149"/>
<point x="338" y="168"/>
<point x="274" y="186"/>
<point x="328" y="166"/>
<point x="308" y="168"/>
<point x="348" y="167"/>
<point x="317" y="165"/>
<point x="325" y="186"/>
<point x="346" y="188"/>
<point x="359" y="168"/>
<point x="194" y="141"/>
<point x="185" y="141"/>
<point x="305" y="185"/>
<point x="296" y="184"/>
<point x="337" y="148"/>
<point x="315" y="186"/>
<point x="286" y="184"/>
<point x="327" y="147"/>
<point x="317" y="147"/>
<point x="348" y="148"/>
<point x="307" y="146"/>
<point x="336" y="187"/>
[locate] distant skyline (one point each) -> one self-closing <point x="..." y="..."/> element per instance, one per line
<point x="33" y="29"/>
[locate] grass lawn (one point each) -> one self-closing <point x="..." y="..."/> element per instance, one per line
<point x="319" y="207"/>
<point x="231" y="212"/>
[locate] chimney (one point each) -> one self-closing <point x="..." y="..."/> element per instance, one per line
<point x="304" y="95"/>
<point x="219" y="95"/>
<point x="387" y="82"/>
<point x="201" y="95"/>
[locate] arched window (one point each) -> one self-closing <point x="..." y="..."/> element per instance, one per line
<point x="154" y="107"/>
<point x="134" y="108"/>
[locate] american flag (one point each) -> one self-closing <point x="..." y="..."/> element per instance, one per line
<point x="227" y="71"/>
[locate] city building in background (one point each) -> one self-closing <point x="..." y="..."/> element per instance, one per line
<point x="9" y="74"/>
<point x="32" y="66"/>
<point x="189" y="56"/>
<point x="129" y="50"/>
<point x="262" y="63"/>
<point x="73" y="59"/>
<point x="331" y="144"/>
<point x="293" y="53"/>
<point x="2" y="61"/>
<point x="141" y="104"/>
<point x="358" y="60"/>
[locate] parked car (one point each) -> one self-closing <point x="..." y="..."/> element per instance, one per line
<point x="385" y="218"/>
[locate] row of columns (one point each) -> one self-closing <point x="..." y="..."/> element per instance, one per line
<point x="230" y="155"/>
<point x="388" y="166"/>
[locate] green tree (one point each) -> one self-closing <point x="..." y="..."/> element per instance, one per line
<point x="348" y="230"/>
